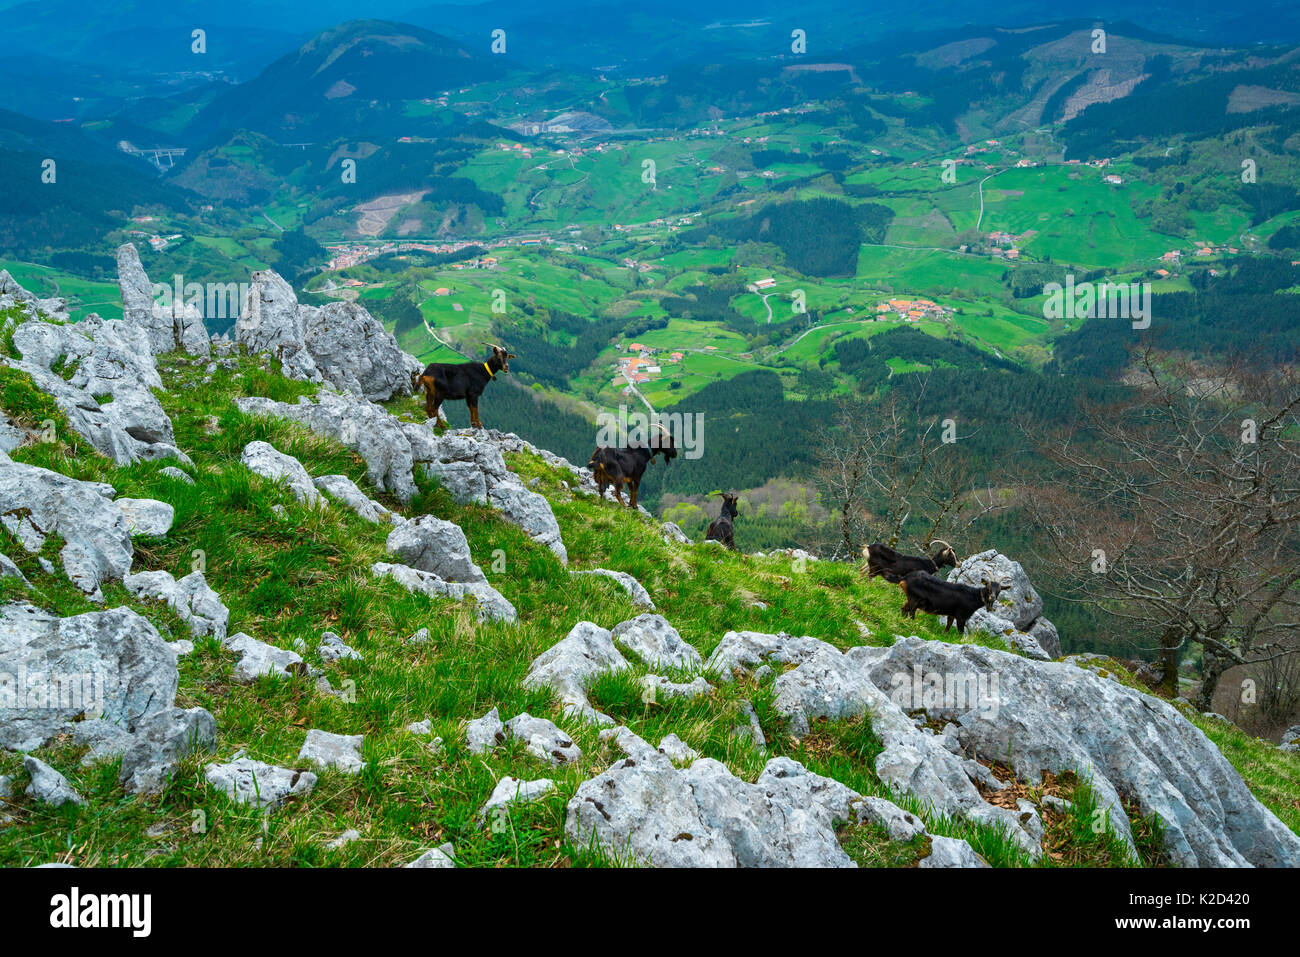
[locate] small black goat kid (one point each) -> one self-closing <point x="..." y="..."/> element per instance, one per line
<point x="951" y="600"/>
<point x="722" y="529"/>
<point x="894" y="566"/>
<point x="626" y="466"/>
<point x="460" y="380"/>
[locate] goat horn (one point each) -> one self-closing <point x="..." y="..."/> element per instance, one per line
<point x="940" y="541"/>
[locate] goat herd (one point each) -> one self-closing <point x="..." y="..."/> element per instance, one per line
<point x="620" y="467"/>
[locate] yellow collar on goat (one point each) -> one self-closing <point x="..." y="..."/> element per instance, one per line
<point x="491" y="374"/>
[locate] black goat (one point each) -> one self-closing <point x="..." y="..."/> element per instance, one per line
<point x="626" y="466"/>
<point x="951" y="600"/>
<point x="895" y="566"/>
<point x="722" y="529"/>
<point x="460" y="380"/>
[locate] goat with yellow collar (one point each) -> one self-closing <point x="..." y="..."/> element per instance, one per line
<point x="460" y="380"/>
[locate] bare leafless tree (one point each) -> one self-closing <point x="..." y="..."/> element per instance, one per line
<point x="1177" y="510"/>
<point x="886" y="470"/>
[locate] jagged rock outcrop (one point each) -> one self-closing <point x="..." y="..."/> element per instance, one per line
<point x="167" y="325"/>
<point x="12" y="295"/>
<point x="1008" y="708"/>
<point x="106" y="397"/>
<point x="468" y="464"/>
<point x="270" y="463"/>
<point x="339" y="343"/>
<point x="635" y="590"/>
<point x="569" y="666"/>
<point x="193" y="600"/>
<point x="36" y="503"/>
<point x="254" y="782"/>
<point x="704" y="816"/>
<point x="106" y="664"/>
<point x="1019" y="604"/>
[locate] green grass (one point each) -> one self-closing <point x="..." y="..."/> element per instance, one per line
<point x="296" y="575"/>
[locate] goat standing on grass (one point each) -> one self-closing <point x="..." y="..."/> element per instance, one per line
<point x="722" y="529"/>
<point x="895" y="566"/>
<point x="951" y="600"/>
<point x="626" y="466"/>
<point x="460" y="380"/>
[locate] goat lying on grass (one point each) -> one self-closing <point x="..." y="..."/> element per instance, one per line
<point x="460" y="380"/>
<point x="722" y="529"/>
<point x="626" y="466"/>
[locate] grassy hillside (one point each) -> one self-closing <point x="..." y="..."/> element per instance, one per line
<point x="295" y="575"/>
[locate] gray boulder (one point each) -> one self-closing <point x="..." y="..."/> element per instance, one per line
<point x="951" y="852"/>
<point x="257" y="658"/>
<point x="704" y="816"/>
<point x="514" y="791"/>
<point x="569" y="666"/>
<point x="434" y="545"/>
<point x="346" y="491"/>
<point x="332" y="648"/>
<point x="339" y="751"/>
<point x="543" y="739"/>
<point x="246" y="781"/>
<point x="160" y="743"/>
<point x="49" y="786"/>
<point x="490" y="604"/>
<point x="36" y="503"/>
<point x="107" y="664"/>
<point x="486" y="733"/>
<point x="1045" y="634"/>
<point x="634" y="589"/>
<point x="1290" y="740"/>
<point x="746" y="650"/>
<point x="1019" y="603"/>
<point x="652" y="639"/>
<point x="354" y="352"/>
<point x="270" y="463"/>
<point x="146" y="516"/>
<point x="191" y="598"/>
<point x="444" y="855"/>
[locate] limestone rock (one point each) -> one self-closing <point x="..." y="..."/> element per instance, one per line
<point x="652" y="639"/>
<point x="254" y="782"/>
<point x="490" y="604"/>
<point x="327" y="750"/>
<point x="162" y="741"/>
<point x="444" y="855"/>
<point x="49" y="786"/>
<point x="569" y="666"/>
<point x="191" y="598"/>
<point x="36" y="503"/>
<point x="128" y="672"/>
<point x="270" y="463"/>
